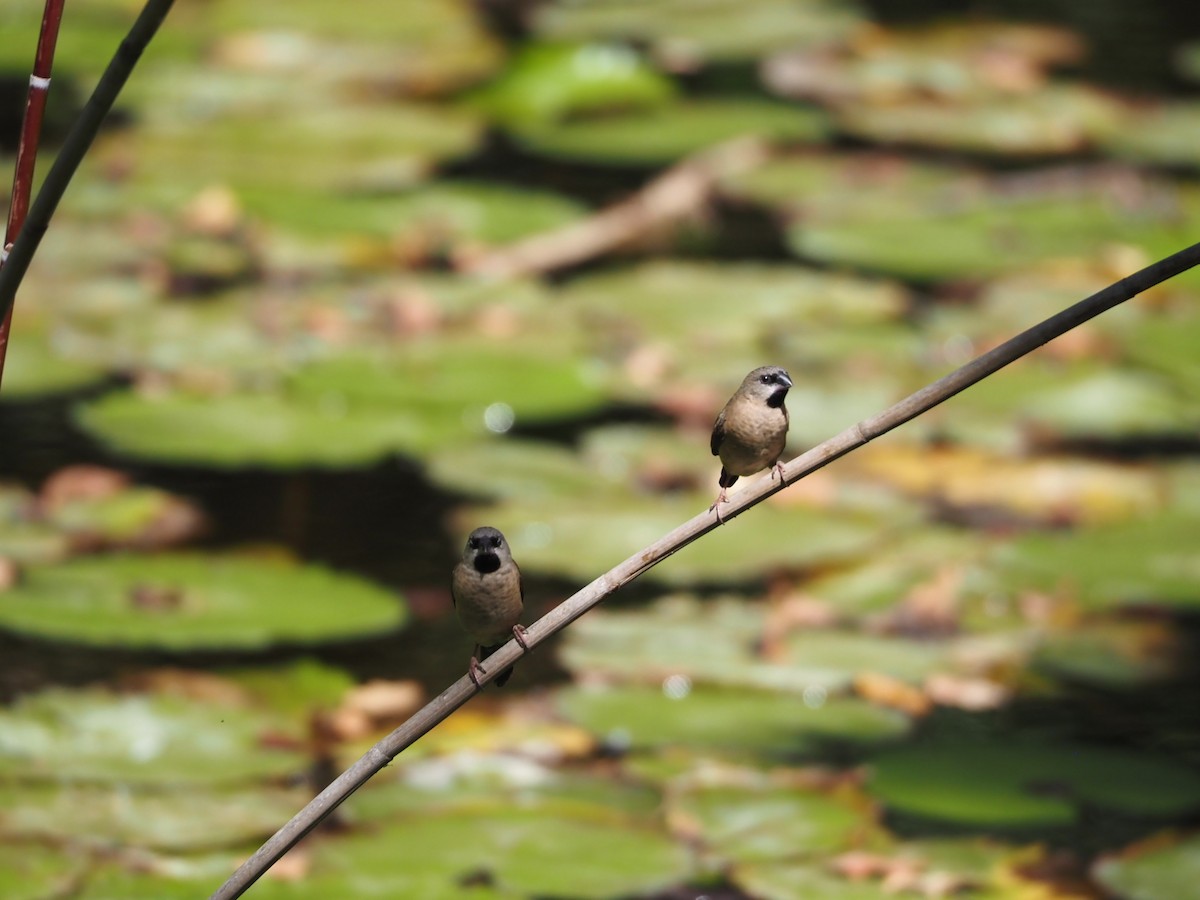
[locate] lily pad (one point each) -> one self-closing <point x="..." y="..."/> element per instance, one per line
<point x="388" y="146"/>
<point x="443" y="215"/>
<point x="1165" y="344"/>
<point x="1146" y="562"/>
<point x="740" y="824"/>
<point x="461" y="379"/>
<point x="186" y="602"/>
<point x="974" y="868"/>
<point x="30" y="870"/>
<point x="97" y="736"/>
<point x="551" y="82"/>
<point x="244" y="430"/>
<point x="955" y="62"/>
<point x="153" y="819"/>
<point x="1062" y="119"/>
<point x="413" y="47"/>
<point x="1159" y="870"/>
<point x="859" y="212"/>
<point x="1044" y="489"/>
<point x="1023" y="784"/>
<point x="650" y="138"/>
<point x="1159" y="134"/>
<point x="801" y="880"/>
<point x="684" y="35"/>
<point x="567" y="540"/>
<point x="742" y="722"/>
<point x="708" y="307"/>
<point x="35" y="369"/>
<point x="491" y="852"/>
<point x="718" y="642"/>
<point x="1113" y="655"/>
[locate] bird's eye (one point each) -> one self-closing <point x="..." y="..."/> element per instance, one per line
<point x="471" y="542"/>
<point x="767" y="379"/>
<point x="496" y="542"/>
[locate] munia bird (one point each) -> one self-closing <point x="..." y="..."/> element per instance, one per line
<point x="750" y="432"/>
<point x="488" y="598"/>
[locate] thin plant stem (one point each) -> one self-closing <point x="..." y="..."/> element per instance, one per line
<point x="575" y="606"/>
<point x="78" y="141"/>
<point x="27" y="144"/>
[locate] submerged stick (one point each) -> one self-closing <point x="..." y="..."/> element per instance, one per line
<point x="575" y="606"/>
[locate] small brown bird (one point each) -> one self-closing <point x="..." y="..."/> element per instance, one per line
<point x="750" y="432"/>
<point x="488" y="598"/>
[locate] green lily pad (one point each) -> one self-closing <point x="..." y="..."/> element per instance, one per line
<point x="744" y="722"/>
<point x="385" y="147"/>
<point x="801" y="880"/>
<point x="96" y="736"/>
<point x="877" y="583"/>
<point x="708" y="307"/>
<point x="30" y="870"/>
<point x="34" y="368"/>
<point x="768" y="822"/>
<point x="186" y="602"/>
<point x="1166" y="344"/>
<point x="1152" y="562"/>
<point x="1022" y="784"/>
<point x="860" y="212"/>
<point x="153" y="819"/>
<point x="413" y="47"/>
<point x="684" y="34"/>
<point x="1113" y="655"/>
<point x="97" y="29"/>
<point x="492" y="852"/>
<point x="1161" y="134"/>
<point x="551" y="82"/>
<point x="975" y="868"/>
<point x="717" y="642"/>
<point x="648" y="138"/>
<point x="1061" y="119"/>
<point x="155" y="876"/>
<point x="244" y="430"/>
<point x="563" y="539"/>
<point x="1055" y="402"/>
<point x="514" y="469"/>
<point x="24" y="536"/>
<point x="1157" y="871"/>
<point x="461" y="379"/>
<point x="442" y="215"/>
<point x="959" y="63"/>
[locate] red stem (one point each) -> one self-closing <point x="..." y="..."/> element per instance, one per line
<point x="27" y="148"/>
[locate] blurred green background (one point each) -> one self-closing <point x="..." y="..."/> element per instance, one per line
<point x="283" y="348"/>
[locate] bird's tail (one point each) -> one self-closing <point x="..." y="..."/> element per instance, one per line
<point x="502" y="678"/>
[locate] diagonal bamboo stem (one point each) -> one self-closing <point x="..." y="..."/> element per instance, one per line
<point x="76" y="145"/>
<point x="575" y="606"/>
<point x="27" y="145"/>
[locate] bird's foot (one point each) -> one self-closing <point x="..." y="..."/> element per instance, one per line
<point x="521" y="636"/>
<point x="716" y="507"/>
<point x="474" y="669"/>
<point x="777" y="471"/>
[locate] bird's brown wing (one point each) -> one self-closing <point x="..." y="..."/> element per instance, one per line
<point x="718" y="433"/>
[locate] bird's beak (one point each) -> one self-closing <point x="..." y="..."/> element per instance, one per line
<point x="786" y="380"/>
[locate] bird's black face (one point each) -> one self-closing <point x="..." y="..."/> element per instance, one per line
<point x="484" y="550"/>
<point x="770" y="383"/>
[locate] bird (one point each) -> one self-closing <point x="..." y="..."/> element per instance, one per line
<point x="488" y="598"/>
<point x="751" y="430"/>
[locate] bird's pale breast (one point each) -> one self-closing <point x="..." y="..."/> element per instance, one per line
<point x="488" y="606"/>
<point x="755" y="435"/>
